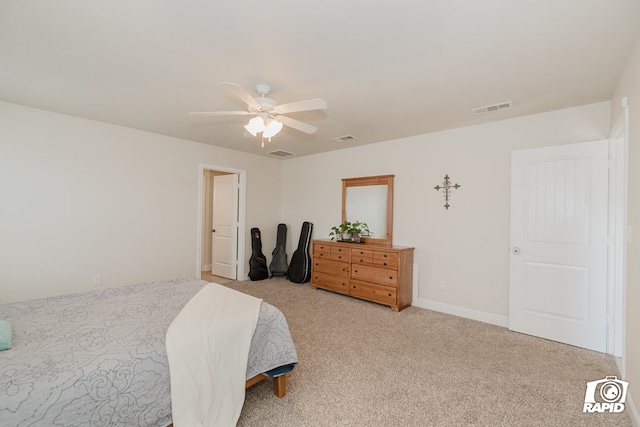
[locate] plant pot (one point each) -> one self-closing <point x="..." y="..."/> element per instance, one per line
<point x="346" y="237"/>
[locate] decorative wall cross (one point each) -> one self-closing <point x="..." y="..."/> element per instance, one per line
<point x="446" y="188"/>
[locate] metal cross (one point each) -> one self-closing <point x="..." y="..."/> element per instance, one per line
<point x="446" y="187"/>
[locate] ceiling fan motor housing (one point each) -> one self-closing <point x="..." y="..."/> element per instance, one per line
<point x="266" y="105"/>
<point x="263" y="89"/>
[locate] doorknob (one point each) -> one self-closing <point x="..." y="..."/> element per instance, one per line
<point x="516" y="250"/>
<point x="213" y="231"/>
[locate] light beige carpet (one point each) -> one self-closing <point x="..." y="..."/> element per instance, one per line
<point x="363" y="365"/>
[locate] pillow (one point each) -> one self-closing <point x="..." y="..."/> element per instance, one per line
<point x="5" y="335"/>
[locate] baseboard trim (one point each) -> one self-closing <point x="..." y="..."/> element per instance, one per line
<point x="467" y="313"/>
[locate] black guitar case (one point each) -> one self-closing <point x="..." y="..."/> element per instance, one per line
<point x="258" y="262"/>
<point x="300" y="268"/>
<point x="279" y="264"/>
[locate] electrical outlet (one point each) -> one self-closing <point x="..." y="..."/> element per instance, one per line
<point x="443" y="284"/>
<point x="97" y="280"/>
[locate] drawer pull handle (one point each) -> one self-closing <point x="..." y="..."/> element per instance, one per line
<point x="390" y="277"/>
<point x="385" y="263"/>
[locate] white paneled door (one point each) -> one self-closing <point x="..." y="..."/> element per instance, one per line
<point x="225" y="229"/>
<point x="558" y="260"/>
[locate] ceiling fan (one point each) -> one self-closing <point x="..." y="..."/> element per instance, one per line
<point x="269" y="115"/>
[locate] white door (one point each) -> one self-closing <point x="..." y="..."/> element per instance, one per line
<point x="225" y="219"/>
<point x="558" y="261"/>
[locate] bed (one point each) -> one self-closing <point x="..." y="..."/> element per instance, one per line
<point x="99" y="357"/>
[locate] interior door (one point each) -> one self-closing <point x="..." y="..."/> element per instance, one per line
<point x="558" y="260"/>
<point x="225" y="230"/>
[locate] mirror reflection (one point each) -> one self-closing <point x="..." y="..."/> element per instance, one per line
<point x="368" y="204"/>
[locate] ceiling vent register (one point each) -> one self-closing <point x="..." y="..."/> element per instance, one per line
<point x="344" y="138"/>
<point x="280" y="153"/>
<point x="492" y="108"/>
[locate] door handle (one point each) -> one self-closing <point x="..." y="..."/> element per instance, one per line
<point x="213" y="231"/>
<point x="516" y="250"/>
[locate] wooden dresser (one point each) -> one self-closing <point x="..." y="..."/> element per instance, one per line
<point x="378" y="273"/>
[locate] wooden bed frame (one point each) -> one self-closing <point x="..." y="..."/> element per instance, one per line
<point x="279" y="383"/>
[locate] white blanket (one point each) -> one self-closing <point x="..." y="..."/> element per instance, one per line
<point x="208" y="348"/>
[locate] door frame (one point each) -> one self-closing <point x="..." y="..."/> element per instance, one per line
<point x="618" y="205"/>
<point x="242" y="196"/>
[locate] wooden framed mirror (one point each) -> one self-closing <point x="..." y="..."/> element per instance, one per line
<point x="370" y="199"/>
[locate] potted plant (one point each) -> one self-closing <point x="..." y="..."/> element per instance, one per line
<point x="341" y="232"/>
<point x="349" y="231"/>
<point x="358" y="229"/>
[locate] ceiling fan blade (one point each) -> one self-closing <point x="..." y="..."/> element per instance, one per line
<point x="242" y="94"/>
<point x="296" y="124"/>
<point x="220" y="113"/>
<point x="309" y="104"/>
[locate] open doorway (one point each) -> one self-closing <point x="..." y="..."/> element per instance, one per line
<point x="221" y="218"/>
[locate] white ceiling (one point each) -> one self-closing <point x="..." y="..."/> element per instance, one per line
<point x="386" y="69"/>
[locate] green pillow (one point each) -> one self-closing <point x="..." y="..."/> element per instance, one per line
<point x="5" y="335"/>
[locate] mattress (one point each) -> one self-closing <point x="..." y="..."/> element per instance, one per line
<point x="99" y="358"/>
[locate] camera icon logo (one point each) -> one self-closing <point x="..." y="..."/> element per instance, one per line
<point x="605" y="395"/>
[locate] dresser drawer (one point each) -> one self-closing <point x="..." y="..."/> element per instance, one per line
<point x="330" y="267"/>
<point x="339" y="253"/>
<point x="382" y="276"/>
<point x="372" y="292"/>
<point x="362" y="256"/>
<point x="321" y="247"/>
<point x="331" y="282"/>
<point x="321" y="251"/>
<point x="385" y="259"/>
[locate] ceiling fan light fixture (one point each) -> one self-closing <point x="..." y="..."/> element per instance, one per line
<point x="255" y="125"/>
<point x="271" y="128"/>
<point x="265" y="109"/>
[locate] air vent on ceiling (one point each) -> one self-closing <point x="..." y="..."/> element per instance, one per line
<point x="491" y="108"/>
<point x="280" y="153"/>
<point x="344" y="138"/>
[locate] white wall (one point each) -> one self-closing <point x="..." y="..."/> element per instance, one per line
<point x="467" y="245"/>
<point x="79" y="197"/>
<point x="629" y="86"/>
